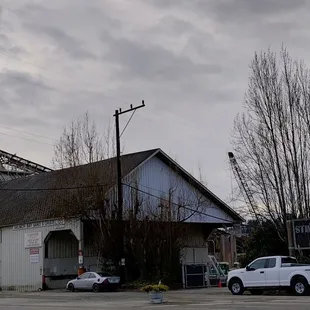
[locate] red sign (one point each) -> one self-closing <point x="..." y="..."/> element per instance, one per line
<point x="34" y="251"/>
<point x="80" y="253"/>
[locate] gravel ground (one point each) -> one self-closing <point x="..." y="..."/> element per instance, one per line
<point x="183" y="299"/>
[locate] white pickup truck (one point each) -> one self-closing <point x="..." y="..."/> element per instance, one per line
<point x="270" y="273"/>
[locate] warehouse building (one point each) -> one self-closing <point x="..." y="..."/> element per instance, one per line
<point x="44" y="238"/>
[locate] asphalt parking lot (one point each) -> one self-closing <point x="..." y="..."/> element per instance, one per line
<point x="219" y="299"/>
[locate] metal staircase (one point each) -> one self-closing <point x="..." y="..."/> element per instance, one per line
<point x="215" y="272"/>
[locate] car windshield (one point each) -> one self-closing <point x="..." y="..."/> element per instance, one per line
<point x="105" y="274"/>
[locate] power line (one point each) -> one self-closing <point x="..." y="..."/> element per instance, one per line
<point x="28" y="133"/>
<point x="6" y="134"/>
<point x="111" y="185"/>
<point x="53" y="188"/>
<point x="161" y="191"/>
<point x="178" y="205"/>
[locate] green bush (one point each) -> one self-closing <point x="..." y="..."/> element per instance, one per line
<point x="155" y="288"/>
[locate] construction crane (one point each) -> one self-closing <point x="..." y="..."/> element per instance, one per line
<point x="241" y="180"/>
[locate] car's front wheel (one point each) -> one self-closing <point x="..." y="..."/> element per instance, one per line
<point x="71" y="287"/>
<point x="236" y="287"/>
<point x="96" y="288"/>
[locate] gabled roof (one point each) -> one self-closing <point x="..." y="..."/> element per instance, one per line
<point x="22" y="202"/>
<point x="40" y="197"/>
<point x="198" y="185"/>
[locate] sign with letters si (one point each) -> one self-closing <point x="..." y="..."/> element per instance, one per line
<point x="301" y="234"/>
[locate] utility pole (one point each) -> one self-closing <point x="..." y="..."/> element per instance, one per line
<point x="119" y="178"/>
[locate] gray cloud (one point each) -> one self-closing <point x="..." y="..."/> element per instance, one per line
<point x="227" y="10"/>
<point x="62" y="41"/>
<point x="187" y="59"/>
<point x="21" y="89"/>
<point x="153" y="62"/>
<point x="21" y="79"/>
<point x="238" y="10"/>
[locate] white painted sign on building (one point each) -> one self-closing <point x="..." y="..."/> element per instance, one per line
<point x="33" y="240"/>
<point x="34" y="255"/>
<point x="58" y="224"/>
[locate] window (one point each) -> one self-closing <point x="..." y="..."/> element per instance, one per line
<point x="288" y="260"/>
<point x="271" y="262"/>
<point x="92" y="276"/>
<point x="259" y="264"/>
<point x="84" y="275"/>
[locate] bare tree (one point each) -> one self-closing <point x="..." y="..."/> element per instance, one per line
<point x="271" y="138"/>
<point x="82" y="143"/>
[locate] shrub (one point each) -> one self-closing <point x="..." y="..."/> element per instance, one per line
<point x="155" y="288"/>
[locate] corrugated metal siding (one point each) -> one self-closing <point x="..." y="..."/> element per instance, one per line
<point x="17" y="271"/>
<point x="157" y="179"/>
<point x="62" y="244"/>
<point x="194" y="256"/>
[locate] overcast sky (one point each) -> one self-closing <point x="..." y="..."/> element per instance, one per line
<point x="188" y="59"/>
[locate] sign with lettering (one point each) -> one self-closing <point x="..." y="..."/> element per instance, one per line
<point x="56" y="223"/>
<point x="34" y="255"/>
<point x="33" y="240"/>
<point x="301" y="234"/>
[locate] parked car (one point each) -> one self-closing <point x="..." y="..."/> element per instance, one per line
<point x="270" y="273"/>
<point x="93" y="281"/>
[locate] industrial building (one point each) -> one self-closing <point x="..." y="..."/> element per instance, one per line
<point x="44" y="238"/>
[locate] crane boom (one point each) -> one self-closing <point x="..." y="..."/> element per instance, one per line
<point x="243" y="185"/>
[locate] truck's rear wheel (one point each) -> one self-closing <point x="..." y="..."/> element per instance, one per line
<point x="236" y="286"/>
<point x="300" y="286"/>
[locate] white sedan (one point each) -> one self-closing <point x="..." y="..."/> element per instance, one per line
<point x="93" y="281"/>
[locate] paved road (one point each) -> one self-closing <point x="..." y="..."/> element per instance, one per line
<point x="196" y="299"/>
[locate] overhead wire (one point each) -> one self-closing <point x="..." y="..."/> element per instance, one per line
<point x="163" y="192"/>
<point x="23" y="138"/>
<point x="28" y="133"/>
<point x="178" y="205"/>
<point x="52" y="188"/>
<point x="111" y="185"/>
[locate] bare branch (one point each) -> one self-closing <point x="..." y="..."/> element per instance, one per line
<point x="271" y="138"/>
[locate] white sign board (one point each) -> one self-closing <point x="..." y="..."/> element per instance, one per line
<point x="57" y="224"/>
<point x="34" y="256"/>
<point x="33" y="240"/>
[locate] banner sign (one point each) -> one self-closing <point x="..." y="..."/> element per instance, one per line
<point x="33" y="240"/>
<point x="301" y="234"/>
